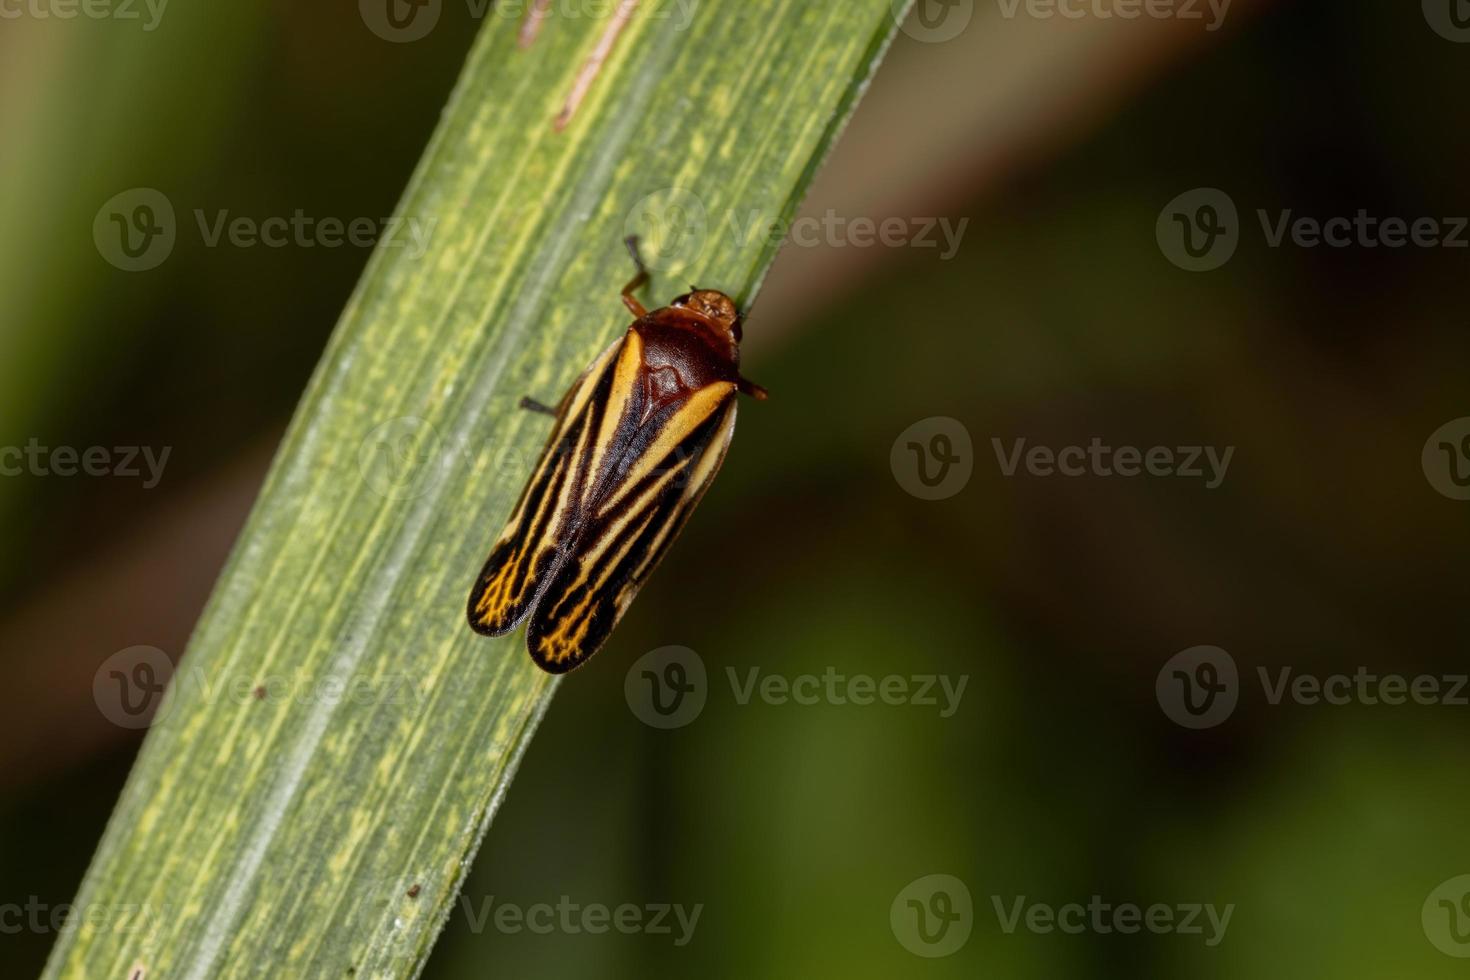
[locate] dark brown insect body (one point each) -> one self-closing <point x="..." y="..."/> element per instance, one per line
<point x="637" y="440"/>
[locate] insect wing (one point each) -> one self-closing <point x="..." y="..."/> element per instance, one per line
<point x="528" y="551"/>
<point x="635" y="516"/>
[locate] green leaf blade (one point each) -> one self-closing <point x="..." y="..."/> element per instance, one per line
<point x="327" y="825"/>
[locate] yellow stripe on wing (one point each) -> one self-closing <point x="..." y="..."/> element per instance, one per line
<point x="625" y="383"/>
<point x="594" y="587"/>
<point x="525" y="550"/>
<point x="690" y="416"/>
<point x="699" y="480"/>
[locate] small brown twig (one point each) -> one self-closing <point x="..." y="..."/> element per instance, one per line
<point x="595" y="61"/>
<point x="532" y="25"/>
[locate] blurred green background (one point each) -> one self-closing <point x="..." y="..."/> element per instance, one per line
<point x="793" y="827"/>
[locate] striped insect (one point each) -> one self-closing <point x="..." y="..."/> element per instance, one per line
<point x="636" y="442"/>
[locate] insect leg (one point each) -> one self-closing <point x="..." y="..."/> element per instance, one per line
<point x="532" y="405"/>
<point x="637" y="282"/>
<point x="749" y="387"/>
